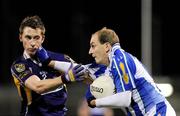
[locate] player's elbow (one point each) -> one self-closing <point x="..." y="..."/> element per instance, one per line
<point x="128" y="103"/>
<point x="36" y="85"/>
<point x="127" y="100"/>
<point x="40" y="89"/>
<point x="122" y="99"/>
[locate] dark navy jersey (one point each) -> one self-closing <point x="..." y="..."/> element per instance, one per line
<point x="33" y="104"/>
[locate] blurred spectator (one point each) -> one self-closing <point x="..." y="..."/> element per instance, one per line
<point x="85" y="110"/>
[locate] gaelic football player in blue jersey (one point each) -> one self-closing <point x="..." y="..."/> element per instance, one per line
<point x="135" y="89"/>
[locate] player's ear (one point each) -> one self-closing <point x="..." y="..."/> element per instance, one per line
<point x="20" y="37"/>
<point x="43" y="37"/>
<point x="108" y="47"/>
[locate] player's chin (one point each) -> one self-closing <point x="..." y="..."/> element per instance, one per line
<point x="97" y="61"/>
<point x="32" y="53"/>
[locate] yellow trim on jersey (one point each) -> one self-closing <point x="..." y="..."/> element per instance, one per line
<point x="27" y="91"/>
<point x="71" y="75"/>
<point x="125" y="75"/>
<point x="17" y="83"/>
<point x="29" y="96"/>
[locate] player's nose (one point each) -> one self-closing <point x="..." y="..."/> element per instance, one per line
<point x="90" y="51"/>
<point x="33" y="44"/>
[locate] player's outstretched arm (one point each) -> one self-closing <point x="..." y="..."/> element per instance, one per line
<point x="42" y="86"/>
<point x="122" y="99"/>
<point x="74" y="74"/>
<point x="44" y="58"/>
<point x="65" y="67"/>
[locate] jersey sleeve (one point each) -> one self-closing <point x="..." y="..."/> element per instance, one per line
<point x="21" y="71"/>
<point x="59" y="57"/>
<point x="89" y="97"/>
<point x="88" y="93"/>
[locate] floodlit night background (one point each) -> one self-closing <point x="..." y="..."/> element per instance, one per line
<point x="148" y="29"/>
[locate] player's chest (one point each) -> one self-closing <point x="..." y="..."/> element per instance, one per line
<point x="42" y="72"/>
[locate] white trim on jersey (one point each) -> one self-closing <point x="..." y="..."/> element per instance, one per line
<point x="129" y="72"/>
<point x="141" y="72"/>
<point x="169" y="111"/>
<point x="119" y="74"/>
<point x="57" y="89"/>
<point x="137" y="98"/>
<point x="26" y="110"/>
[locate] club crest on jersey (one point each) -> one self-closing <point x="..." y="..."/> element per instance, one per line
<point x="19" y="67"/>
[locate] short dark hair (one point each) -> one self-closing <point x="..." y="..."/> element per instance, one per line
<point x="33" y="22"/>
<point x="107" y="35"/>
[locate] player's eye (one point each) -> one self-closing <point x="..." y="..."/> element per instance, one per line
<point x="92" y="46"/>
<point x="28" y="37"/>
<point x="36" y="37"/>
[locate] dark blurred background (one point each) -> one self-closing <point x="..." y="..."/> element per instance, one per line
<point x="69" y="25"/>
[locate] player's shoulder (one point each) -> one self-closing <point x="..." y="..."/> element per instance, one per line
<point x="19" y="64"/>
<point x="18" y="60"/>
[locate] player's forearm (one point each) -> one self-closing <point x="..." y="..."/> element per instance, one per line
<point x="60" y="65"/>
<point x="122" y="99"/>
<point x="49" y="85"/>
<point x="51" y="64"/>
<point x="42" y="86"/>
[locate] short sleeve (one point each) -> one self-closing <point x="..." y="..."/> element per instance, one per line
<point x="21" y="71"/>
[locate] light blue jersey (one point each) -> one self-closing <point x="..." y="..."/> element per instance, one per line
<point x="130" y="75"/>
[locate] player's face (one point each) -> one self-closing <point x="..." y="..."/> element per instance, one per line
<point x="99" y="51"/>
<point x="32" y="39"/>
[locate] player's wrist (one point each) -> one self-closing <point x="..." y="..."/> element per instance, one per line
<point x="90" y="102"/>
<point x="73" y="74"/>
<point x="46" y="62"/>
<point x="93" y="103"/>
<point x="66" y="78"/>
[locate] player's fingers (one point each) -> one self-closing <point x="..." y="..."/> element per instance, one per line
<point x="77" y="66"/>
<point x="79" y="69"/>
<point x="80" y="74"/>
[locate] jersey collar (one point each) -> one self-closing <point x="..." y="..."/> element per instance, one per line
<point x="26" y="56"/>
